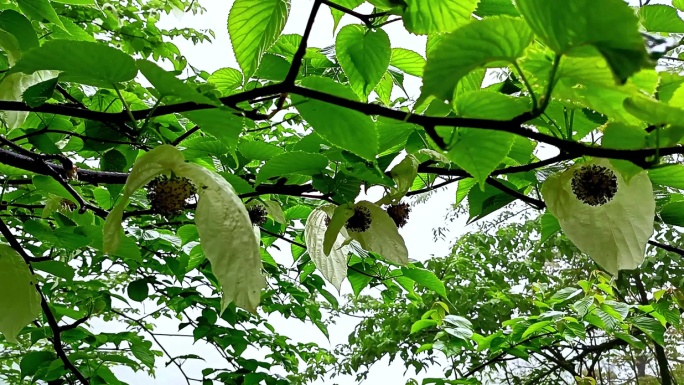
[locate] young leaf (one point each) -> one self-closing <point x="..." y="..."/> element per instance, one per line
<point x="333" y="267"/>
<point x="476" y="44"/>
<point x="612" y="233"/>
<point x="337" y="221"/>
<point x="340" y="126"/>
<point x="20" y="302"/>
<point x="425" y="278"/>
<point x="253" y="26"/>
<point x="423" y="17"/>
<point x="610" y="26"/>
<point x="364" y="56"/>
<point x="337" y="14"/>
<point x="661" y="18"/>
<point x="408" y="61"/>
<point x="480" y="151"/>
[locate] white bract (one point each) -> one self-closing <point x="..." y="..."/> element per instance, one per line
<point x="380" y="236"/>
<point x="333" y="266"/>
<point x="20" y="302"/>
<point x="226" y="234"/>
<point x="612" y="233"/>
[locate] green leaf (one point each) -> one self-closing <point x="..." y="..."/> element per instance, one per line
<point x="476" y="44"/>
<point x="496" y="8"/>
<point x="49" y="185"/>
<point x="20" y="302"/>
<point x="226" y="79"/>
<point x="222" y="125"/>
<point x="19" y="26"/>
<point x="673" y="213"/>
<point x="10" y="45"/>
<point x="653" y="111"/>
<point x="253" y="26"/>
<point x="338" y="218"/>
<point x="535" y="328"/>
<point x="138" y="290"/>
<point x="661" y="18"/>
<point x="364" y="56"/>
<point x="408" y="61"/>
<point x="333" y="266"/>
<point x="613" y="234"/>
<point x="39" y="10"/>
<point x="679" y="4"/>
<point x="424" y="17"/>
<point x="76" y="2"/>
<point x="480" y="151"/>
<point x="608" y="25"/>
<point x="169" y="85"/>
<point x="337" y="14"/>
<point x="347" y="127"/>
<point x="82" y="62"/>
<point x="425" y="278"/>
<point x="624" y="137"/>
<point x="39" y="93"/>
<point x="652" y="328"/>
<point x="671" y="175"/>
<point x="422" y="324"/>
<point x="549" y="226"/>
<point x="295" y="162"/>
<point x="358" y="280"/>
<point x="259" y="150"/>
<point x="490" y="105"/>
<point x="33" y="361"/>
<point x="56" y="268"/>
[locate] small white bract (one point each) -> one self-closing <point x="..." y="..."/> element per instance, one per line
<point x="372" y="227"/>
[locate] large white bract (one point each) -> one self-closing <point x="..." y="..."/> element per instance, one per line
<point x="226" y="234"/>
<point x="611" y="226"/>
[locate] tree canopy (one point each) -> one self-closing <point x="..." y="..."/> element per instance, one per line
<point x="138" y="189"/>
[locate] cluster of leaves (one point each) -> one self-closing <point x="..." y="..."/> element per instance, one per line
<point x="298" y="133"/>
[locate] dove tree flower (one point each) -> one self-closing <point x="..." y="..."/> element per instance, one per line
<point x="227" y="237"/>
<point x="605" y="216"/>
<point x="23" y="305"/>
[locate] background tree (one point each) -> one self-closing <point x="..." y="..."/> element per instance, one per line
<point x="560" y="108"/>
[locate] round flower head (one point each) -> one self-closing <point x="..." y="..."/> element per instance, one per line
<point x="169" y="196"/>
<point x="594" y="185"/>
<point x="399" y="213"/>
<point x="360" y="221"/>
<point x="257" y="215"/>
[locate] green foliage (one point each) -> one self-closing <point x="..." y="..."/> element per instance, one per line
<point x="298" y="170"/>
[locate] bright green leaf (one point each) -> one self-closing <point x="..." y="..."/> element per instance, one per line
<point x="480" y="151"/>
<point x="347" y="126"/>
<point x="476" y="44"/>
<point x="253" y="26"/>
<point x="295" y="162"/>
<point x="425" y="17"/>
<point x="364" y="56"/>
